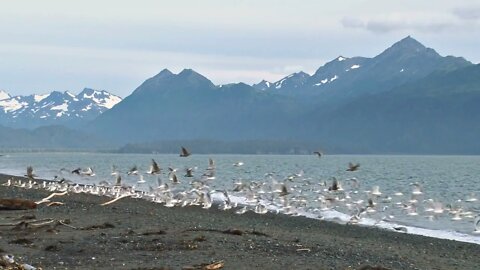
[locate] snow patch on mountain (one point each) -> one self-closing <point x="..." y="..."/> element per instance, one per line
<point x="63" y="107"/>
<point x="12" y="104"/>
<point x="4" y="95"/>
<point x="39" y="98"/>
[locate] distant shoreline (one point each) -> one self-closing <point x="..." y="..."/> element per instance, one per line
<point x="4" y="152"/>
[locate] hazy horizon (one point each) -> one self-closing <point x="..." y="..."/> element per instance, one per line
<point x="116" y="45"/>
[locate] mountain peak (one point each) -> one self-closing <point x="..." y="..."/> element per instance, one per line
<point x="193" y="77"/>
<point x="301" y="74"/>
<point x="263" y="85"/>
<point x="408" y="48"/>
<point x="189" y="72"/>
<point x="165" y="73"/>
<point x="408" y="43"/>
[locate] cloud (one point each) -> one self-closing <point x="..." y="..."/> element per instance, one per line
<point x="395" y="24"/>
<point x="467" y="13"/>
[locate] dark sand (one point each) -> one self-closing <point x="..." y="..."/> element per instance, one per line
<point x="136" y="234"/>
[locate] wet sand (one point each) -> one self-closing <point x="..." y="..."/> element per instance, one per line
<point x="136" y="234"/>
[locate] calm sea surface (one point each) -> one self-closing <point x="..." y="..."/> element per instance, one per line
<point x="450" y="180"/>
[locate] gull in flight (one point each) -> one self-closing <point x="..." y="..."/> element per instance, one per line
<point x="189" y="172"/>
<point x="133" y="170"/>
<point x="118" y="182"/>
<point x="353" y="167"/>
<point x="238" y="164"/>
<point x="154" y="168"/>
<point x="211" y="164"/>
<point x="141" y="180"/>
<point x="88" y="172"/>
<point x="185" y="152"/>
<point x="318" y="153"/>
<point x="30" y="173"/>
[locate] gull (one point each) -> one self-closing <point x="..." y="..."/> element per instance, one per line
<point x="173" y="177"/>
<point x="353" y="167"/>
<point x="376" y="191"/>
<point x="261" y="209"/>
<point x="133" y="170"/>
<point x="30" y="173"/>
<point x="334" y="186"/>
<point x="88" y="172"/>
<point x="476" y="224"/>
<point x="206" y="200"/>
<point x="211" y="164"/>
<point x="471" y="198"/>
<point x="185" y="152"/>
<point x="417" y="190"/>
<point x="239" y="186"/>
<point x="371" y="206"/>
<point x="283" y="190"/>
<point x="238" y="164"/>
<point x="154" y="168"/>
<point x="242" y="210"/>
<point x="189" y="172"/>
<point x="118" y="181"/>
<point x="209" y="174"/>
<point x="354" y="182"/>
<point x="412" y="211"/>
<point x="114" y="170"/>
<point x="141" y="180"/>
<point x="163" y="187"/>
<point x="457" y="216"/>
<point x="318" y="153"/>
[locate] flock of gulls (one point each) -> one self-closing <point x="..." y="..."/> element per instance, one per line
<point x="293" y="195"/>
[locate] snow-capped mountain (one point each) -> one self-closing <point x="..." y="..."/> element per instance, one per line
<point x="326" y="75"/>
<point x="54" y="108"/>
<point x="336" y="69"/>
<point x="344" y="78"/>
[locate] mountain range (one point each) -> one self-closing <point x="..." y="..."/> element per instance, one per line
<point x="407" y="99"/>
<point x="347" y="78"/>
<point x="55" y="108"/>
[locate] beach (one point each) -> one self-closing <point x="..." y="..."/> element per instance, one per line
<point x="137" y="234"/>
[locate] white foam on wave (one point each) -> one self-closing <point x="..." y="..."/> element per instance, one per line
<point x="335" y="216"/>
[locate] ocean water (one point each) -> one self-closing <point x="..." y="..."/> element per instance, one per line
<point x="452" y="181"/>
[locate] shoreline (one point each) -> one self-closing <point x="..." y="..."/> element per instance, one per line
<point x="137" y="234"/>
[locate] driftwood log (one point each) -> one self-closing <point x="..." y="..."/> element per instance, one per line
<point x="17" y="204"/>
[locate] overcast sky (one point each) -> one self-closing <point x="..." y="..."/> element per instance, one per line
<point x="115" y="45"/>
